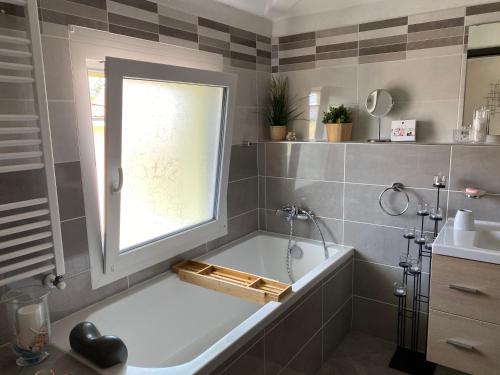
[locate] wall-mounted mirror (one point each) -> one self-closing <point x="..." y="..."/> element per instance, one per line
<point x="482" y="83"/>
<point x="378" y="104"/>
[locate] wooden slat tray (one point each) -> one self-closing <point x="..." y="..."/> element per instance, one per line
<point x="235" y="283"/>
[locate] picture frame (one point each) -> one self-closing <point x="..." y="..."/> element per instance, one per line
<point x="403" y="131"/>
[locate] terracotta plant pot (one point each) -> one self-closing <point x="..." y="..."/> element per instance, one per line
<point x="338" y="132"/>
<point x="278" y="133"/>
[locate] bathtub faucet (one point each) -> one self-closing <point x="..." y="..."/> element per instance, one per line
<point x="292" y="212"/>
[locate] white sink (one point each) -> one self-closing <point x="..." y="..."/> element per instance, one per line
<point x="481" y="244"/>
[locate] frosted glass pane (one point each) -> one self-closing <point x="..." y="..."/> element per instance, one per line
<point x="170" y="156"/>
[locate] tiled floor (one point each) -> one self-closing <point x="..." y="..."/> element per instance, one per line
<point x="361" y="354"/>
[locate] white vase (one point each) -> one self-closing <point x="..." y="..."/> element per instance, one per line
<point x="464" y="220"/>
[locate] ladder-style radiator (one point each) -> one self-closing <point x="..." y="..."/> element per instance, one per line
<point x="30" y="229"/>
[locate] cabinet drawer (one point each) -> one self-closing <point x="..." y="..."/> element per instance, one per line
<point x="463" y="344"/>
<point x="465" y="287"/>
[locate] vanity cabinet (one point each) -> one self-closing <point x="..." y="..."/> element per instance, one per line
<point x="464" y="316"/>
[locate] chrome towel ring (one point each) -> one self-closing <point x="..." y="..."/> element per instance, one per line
<point x="397" y="187"/>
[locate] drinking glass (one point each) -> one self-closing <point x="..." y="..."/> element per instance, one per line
<point x="415" y="266"/>
<point x="409" y="232"/>
<point x="440" y="180"/>
<point x="404" y="260"/>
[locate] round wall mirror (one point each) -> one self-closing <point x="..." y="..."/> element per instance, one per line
<point x="379" y="103"/>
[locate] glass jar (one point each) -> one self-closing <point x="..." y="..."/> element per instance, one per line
<point x="480" y="125"/>
<point x="28" y="323"/>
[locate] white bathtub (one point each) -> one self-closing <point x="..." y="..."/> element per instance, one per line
<point x="172" y="327"/>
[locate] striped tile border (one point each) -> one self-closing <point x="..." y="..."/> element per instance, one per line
<point x="146" y="19"/>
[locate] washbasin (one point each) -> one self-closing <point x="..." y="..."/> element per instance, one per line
<point x="481" y="244"/>
<point x="487" y="239"/>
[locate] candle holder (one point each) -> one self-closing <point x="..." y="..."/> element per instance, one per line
<point x="413" y="307"/>
<point x="29" y="323"/>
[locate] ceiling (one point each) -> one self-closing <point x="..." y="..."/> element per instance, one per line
<point x="278" y="9"/>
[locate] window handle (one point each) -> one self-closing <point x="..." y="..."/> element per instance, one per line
<point x="116" y="188"/>
<point x="462" y="288"/>
<point x="460" y="344"/>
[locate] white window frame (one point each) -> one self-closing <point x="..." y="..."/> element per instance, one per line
<point x="91" y="45"/>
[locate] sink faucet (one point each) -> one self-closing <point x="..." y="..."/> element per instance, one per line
<point x="292" y="212"/>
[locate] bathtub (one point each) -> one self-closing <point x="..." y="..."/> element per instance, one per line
<point x="172" y="327"/>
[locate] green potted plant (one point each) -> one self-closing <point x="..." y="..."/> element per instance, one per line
<point x="281" y="109"/>
<point x="338" y="123"/>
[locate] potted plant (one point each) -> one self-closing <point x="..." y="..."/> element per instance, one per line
<point x="338" y="123"/>
<point x="281" y="109"/>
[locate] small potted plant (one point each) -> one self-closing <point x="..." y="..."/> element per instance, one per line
<point x="281" y="109"/>
<point x="338" y="124"/>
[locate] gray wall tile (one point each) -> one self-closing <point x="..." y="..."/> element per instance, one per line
<point x="324" y="198"/>
<point x="331" y="228"/>
<point x="75" y="246"/>
<point x="413" y="165"/>
<point x="19" y="186"/>
<point x="243" y="162"/>
<point x="337" y="291"/>
<point x="242" y="196"/>
<point x="375" y="318"/>
<point x="361" y="205"/>
<point x="63" y="131"/>
<point x="290" y="334"/>
<point x="57" y="66"/>
<point x="69" y="190"/>
<point x="307" y="161"/>
<point x="238" y="226"/>
<point x="475" y="166"/>
<point x="486" y="208"/>
<point x="308" y="360"/>
<point x="337" y="328"/>
<point x="250" y="362"/>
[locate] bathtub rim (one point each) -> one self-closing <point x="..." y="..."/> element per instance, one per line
<point x="246" y="331"/>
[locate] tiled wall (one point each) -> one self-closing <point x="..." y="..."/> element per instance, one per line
<point x="418" y="58"/>
<point x="341" y="183"/>
<point x="146" y="20"/>
<point x="304" y="336"/>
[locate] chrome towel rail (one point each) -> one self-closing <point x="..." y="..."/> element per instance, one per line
<point x="399" y="188"/>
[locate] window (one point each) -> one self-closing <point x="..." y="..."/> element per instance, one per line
<point x="154" y="146"/>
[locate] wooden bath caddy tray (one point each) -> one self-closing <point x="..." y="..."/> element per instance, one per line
<point x="236" y="283"/>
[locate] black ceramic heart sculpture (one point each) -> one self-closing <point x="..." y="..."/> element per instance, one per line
<point x="104" y="351"/>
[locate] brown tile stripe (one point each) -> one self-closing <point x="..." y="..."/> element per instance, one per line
<point x="101" y="4"/>
<point x="180" y="34"/>
<point x="391" y="56"/>
<point x="296" y="45"/>
<point x="433" y="43"/>
<point x="242" y="41"/>
<point x="262" y="53"/>
<point x="299" y="66"/>
<point x="297" y="37"/>
<point x="263" y="39"/>
<point x="244" y="64"/>
<point x="395" y="39"/>
<point x="337" y="54"/>
<point x="382" y="49"/>
<point x="140" y="4"/>
<point x="116" y="29"/>
<point x="132" y="23"/>
<point x="484" y="8"/>
<point x="213" y="42"/>
<point x="263" y="60"/>
<point x="242" y="33"/>
<point x="433" y="25"/>
<point x="13" y="10"/>
<point x="297" y="59"/>
<point x="213" y="25"/>
<point x="212" y="49"/>
<point x="243" y="56"/>
<point x="336" y="47"/>
<point x="274" y="69"/>
<point x="67" y="19"/>
<point x="178" y="24"/>
<point x="383" y="24"/>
